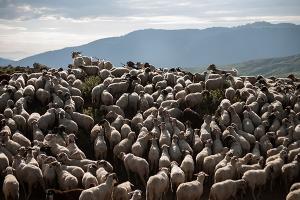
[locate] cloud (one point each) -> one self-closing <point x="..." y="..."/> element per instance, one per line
<point x="32" y="26"/>
<point x="15" y="10"/>
<point x="16" y="28"/>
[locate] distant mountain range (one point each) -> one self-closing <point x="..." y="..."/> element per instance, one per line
<point x="186" y="47"/>
<point x="4" y="61"/>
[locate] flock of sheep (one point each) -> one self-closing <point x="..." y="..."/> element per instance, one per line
<point x="155" y="139"/>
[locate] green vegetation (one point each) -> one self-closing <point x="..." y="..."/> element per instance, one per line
<point x="88" y="84"/>
<point x="9" y="69"/>
<point x="210" y="103"/>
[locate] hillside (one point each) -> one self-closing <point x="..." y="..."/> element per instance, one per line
<point x="282" y="66"/>
<point x="186" y="47"/>
<point x="4" y="61"/>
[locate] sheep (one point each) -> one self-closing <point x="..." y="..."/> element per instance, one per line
<point x="194" y="99"/>
<point x="118" y="88"/>
<point x="191" y="190"/>
<point x="137" y="165"/>
<point x="30" y="159"/>
<point x="4" y="161"/>
<point x="243" y="142"/>
<point x="10" y="185"/>
<point x="88" y="69"/>
<point x="63" y="157"/>
<point x="227" y="189"/>
<point x="175" y="152"/>
<point x="83" y="121"/>
<point x="104" y="168"/>
<point x="136" y="195"/>
<point x="187" y="165"/>
<point x="257" y="179"/>
<point x="53" y="194"/>
<point x="290" y="171"/>
<point x="244" y="167"/>
<point x="122" y="191"/>
<point x="214" y="70"/>
<point x="227" y="172"/>
<point x="28" y="175"/>
<point x="70" y="125"/>
<point x="113" y="135"/>
<point x="294" y="195"/>
<point x="48" y="170"/>
<point x="216" y="83"/>
<point x="100" y="147"/>
<point x="295" y="186"/>
<point x="106" y="98"/>
<point x="47" y="120"/>
<point x="103" y="190"/>
<point x="164" y="160"/>
<point x="74" y="151"/>
<point x="158" y="185"/>
<point x="139" y="147"/>
<point x="276" y="165"/>
<point x="37" y="133"/>
<point x="211" y="161"/>
<point x="177" y="176"/>
<point x="153" y="155"/>
<point x="21" y="139"/>
<point x="88" y="179"/>
<point x="10" y="145"/>
<point x="206" y="151"/>
<point x="66" y="180"/>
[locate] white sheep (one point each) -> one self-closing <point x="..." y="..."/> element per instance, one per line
<point x="177" y="176"/>
<point x="153" y="155"/>
<point x="227" y="172"/>
<point x="158" y="185"/>
<point x="122" y="191"/>
<point x="257" y="179"/>
<point x="191" y="190"/>
<point x="103" y="190"/>
<point x="29" y="175"/>
<point x="66" y="180"/>
<point x="74" y="150"/>
<point x="187" y="165"/>
<point x="100" y="147"/>
<point x="10" y="185"/>
<point x="88" y="179"/>
<point x="227" y="189"/>
<point x="137" y="165"/>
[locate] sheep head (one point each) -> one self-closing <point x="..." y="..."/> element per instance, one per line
<point x="62" y="157"/>
<point x="106" y="165"/>
<point x="201" y="176"/>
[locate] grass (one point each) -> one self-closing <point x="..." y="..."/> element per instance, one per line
<point x="88" y="84"/>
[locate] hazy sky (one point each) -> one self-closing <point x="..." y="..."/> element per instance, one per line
<point x="28" y="27"/>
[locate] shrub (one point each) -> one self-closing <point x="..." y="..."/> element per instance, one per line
<point x="88" y="84"/>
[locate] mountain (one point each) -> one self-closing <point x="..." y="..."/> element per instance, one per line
<point x="4" y="61"/>
<point x="186" y="47"/>
<point x="270" y="67"/>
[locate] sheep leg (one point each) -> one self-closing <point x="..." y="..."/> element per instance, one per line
<point x="252" y="193"/>
<point x="271" y="185"/>
<point x="127" y="172"/>
<point x="143" y="180"/>
<point x="29" y="192"/>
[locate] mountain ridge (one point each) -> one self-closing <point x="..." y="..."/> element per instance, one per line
<point x="184" y="47"/>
